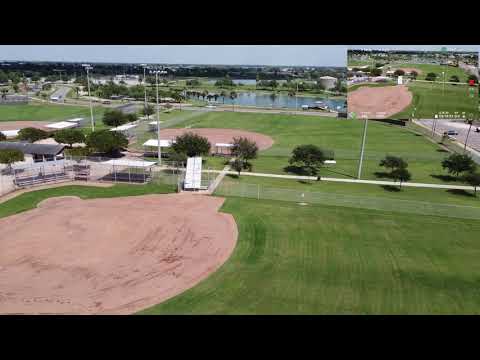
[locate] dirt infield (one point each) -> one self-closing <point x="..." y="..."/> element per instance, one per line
<point x="220" y="135"/>
<point x="17" y="125"/>
<point x="380" y="102"/>
<point x="110" y="256"/>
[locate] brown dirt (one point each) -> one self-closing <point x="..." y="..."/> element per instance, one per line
<point x="380" y="102"/>
<point x="110" y="256"/>
<point x="14" y="125"/>
<point x="220" y="136"/>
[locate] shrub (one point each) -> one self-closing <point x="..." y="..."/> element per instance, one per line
<point x="32" y="134"/>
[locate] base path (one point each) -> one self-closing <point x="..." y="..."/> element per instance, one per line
<point x="220" y="135"/>
<point x="380" y="102"/>
<point x="110" y="256"/>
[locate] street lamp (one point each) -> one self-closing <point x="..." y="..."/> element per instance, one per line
<point x="145" y="67"/>
<point x="365" y="116"/>
<point x="156" y="72"/>
<point x="89" y="67"/>
<point x="470" y="122"/>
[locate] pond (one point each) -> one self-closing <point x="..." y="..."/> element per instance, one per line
<point x="260" y="99"/>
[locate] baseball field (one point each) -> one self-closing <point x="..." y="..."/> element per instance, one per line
<point x="313" y="247"/>
<point x="426" y="98"/>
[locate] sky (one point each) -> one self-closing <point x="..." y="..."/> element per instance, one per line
<point x="289" y="55"/>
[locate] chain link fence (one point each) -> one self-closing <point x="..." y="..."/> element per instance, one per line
<point x="261" y="192"/>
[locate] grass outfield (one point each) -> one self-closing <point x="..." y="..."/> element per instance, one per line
<point x="430" y="99"/>
<point x="374" y="263"/>
<point x="341" y="135"/>
<point x="437" y="69"/>
<point x="356" y="86"/>
<point x="29" y="200"/>
<point x="46" y="112"/>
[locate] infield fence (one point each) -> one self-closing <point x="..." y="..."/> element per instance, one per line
<point x="261" y="192"/>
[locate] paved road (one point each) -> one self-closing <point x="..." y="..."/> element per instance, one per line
<point x="61" y="92"/>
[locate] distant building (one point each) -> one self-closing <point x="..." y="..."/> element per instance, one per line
<point x="328" y="82"/>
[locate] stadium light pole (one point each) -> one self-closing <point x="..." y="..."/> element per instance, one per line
<point x="296" y="100"/>
<point x="365" y="116"/>
<point x="89" y="67"/>
<point x="158" y="120"/>
<point x="145" y="88"/>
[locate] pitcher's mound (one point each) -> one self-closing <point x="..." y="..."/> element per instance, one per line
<point x="110" y="256"/>
<point x="379" y="102"/>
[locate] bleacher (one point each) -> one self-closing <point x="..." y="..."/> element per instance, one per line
<point x="193" y="174"/>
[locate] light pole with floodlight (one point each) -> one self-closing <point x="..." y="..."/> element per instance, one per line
<point x="156" y="72"/>
<point x="365" y="116"/>
<point x="145" y="89"/>
<point x="89" y="67"/>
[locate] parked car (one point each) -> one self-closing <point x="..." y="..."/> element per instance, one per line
<point x="452" y="132"/>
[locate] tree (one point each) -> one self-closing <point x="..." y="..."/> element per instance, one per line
<point x="32" y="134"/>
<point x="233" y="95"/>
<point x="473" y="179"/>
<point x="148" y="110"/>
<point x="131" y="117"/>
<point x="399" y="72"/>
<point x="238" y="165"/>
<point x="114" y="118"/>
<point x="375" y="72"/>
<point x="393" y="162"/>
<point x="191" y="144"/>
<point x="107" y="142"/>
<point x="69" y="136"/>
<point x="8" y="157"/>
<point x="413" y="74"/>
<point x="2" y="137"/>
<point x="223" y="94"/>
<point x="401" y="174"/>
<point x="244" y="150"/>
<point x="458" y="163"/>
<point x="431" y="76"/>
<point x="454" y="78"/>
<point x="309" y="157"/>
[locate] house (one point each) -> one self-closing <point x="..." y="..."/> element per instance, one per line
<point x="35" y="153"/>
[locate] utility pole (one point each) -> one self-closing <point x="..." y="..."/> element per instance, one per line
<point x="88" y="67"/>
<point x="365" y="116"/>
<point x="466" y="140"/>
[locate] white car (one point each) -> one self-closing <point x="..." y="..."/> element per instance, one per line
<point x="211" y="106"/>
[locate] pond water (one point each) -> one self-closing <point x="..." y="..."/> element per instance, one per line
<point x="282" y="101"/>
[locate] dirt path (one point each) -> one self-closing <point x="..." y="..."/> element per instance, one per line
<point x="110" y="256"/>
<point x="379" y="102"/>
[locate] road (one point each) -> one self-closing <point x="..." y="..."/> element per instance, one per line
<point x="61" y="92"/>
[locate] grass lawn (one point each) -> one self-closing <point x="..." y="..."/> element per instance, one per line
<point x="437" y="69"/>
<point x="46" y="112"/>
<point x="356" y="86"/>
<point x="341" y="135"/>
<point x="30" y="200"/>
<point x="430" y="99"/>
<point x="377" y="262"/>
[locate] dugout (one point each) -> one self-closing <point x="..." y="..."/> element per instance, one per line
<point x="127" y="170"/>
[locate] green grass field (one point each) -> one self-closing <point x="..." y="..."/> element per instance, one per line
<point x="431" y="98"/>
<point x="30" y="200"/>
<point x="339" y="260"/>
<point x="341" y="135"/>
<point x="45" y="112"/>
<point x="330" y="259"/>
<point x="437" y="69"/>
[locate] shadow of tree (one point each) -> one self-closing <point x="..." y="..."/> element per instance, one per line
<point x="337" y="172"/>
<point x="297" y="170"/>
<point x="442" y="150"/>
<point x="390" y="188"/>
<point x="460" y="192"/>
<point x="444" y="177"/>
<point x="382" y="175"/>
<point x="232" y="176"/>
